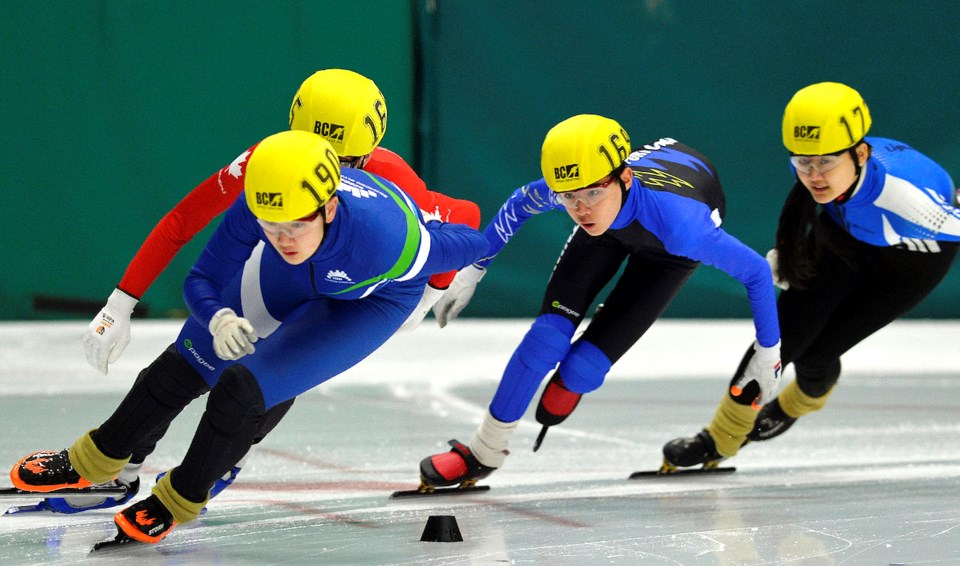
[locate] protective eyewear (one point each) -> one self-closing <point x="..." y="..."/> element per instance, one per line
<point x="591" y="195"/>
<point x="822" y="164"/>
<point x="353" y="162"/>
<point x="293" y="229"/>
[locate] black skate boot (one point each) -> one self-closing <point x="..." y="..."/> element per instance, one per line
<point x="556" y="404"/>
<point x="458" y="466"/>
<point x="145" y="521"/>
<point x="46" y="471"/>
<point x="771" y="422"/>
<point x="692" y="451"/>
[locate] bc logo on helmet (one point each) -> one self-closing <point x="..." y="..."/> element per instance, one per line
<point x="328" y="130"/>
<point x="272" y="200"/>
<point x="566" y="172"/>
<point x="806" y="132"/>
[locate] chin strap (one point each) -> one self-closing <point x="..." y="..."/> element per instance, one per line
<point x="856" y="163"/>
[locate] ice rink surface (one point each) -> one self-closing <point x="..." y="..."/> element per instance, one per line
<point x="872" y="479"/>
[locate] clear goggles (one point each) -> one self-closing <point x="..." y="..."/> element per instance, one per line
<point x="822" y="164"/>
<point x="293" y="229"/>
<point x="354" y="162"/>
<point x="588" y="196"/>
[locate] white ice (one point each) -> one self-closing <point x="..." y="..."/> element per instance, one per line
<point x="872" y="479"/>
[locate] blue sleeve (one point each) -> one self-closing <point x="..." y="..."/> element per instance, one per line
<point x="220" y="262"/>
<point x="736" y="259"/>
<point x="690" y="229"/>
<point x="525" y="202"/>
<point x="453" y="246"/>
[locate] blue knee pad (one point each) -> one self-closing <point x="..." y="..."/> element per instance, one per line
<point x="545" y="344"/>
<point x="584" y="368"/>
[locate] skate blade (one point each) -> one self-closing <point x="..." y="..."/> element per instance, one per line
<point x="681" y="472"/>
<point x="120" y="540"/>
<point x="462" y="489"/>
<point x="540" y="437"/>
<point x="38" y="507"/>
<point x="92" y="491"/>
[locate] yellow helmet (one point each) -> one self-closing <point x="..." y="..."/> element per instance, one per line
<point x="582" y="150"/>
<point x="344" y="107"/>
<point x="825" y="118"/>
<point x="290" y="175"/>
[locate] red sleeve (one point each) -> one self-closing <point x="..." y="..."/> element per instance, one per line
<point x="181" y="224"/>
<point x="392" y="167"/>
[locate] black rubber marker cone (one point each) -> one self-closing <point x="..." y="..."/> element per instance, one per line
<point x="441" y="528"/>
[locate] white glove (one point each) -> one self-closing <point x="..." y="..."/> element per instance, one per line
<point x="773" y="258"/>
<point x="109" y="332"/>
<point x="430" y="296"/>
<point x="764" y="368"/>
<point x="458" y="295"/>
<point x="233" y="336"/>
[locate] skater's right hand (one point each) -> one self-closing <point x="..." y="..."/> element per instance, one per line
<point x="109" y="332"/>
<point x="233" y="336"/>
<point x="458" y="295"/>
<point x="764" y="368"/>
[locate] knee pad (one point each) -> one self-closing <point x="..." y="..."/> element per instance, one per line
<point x="236" y="402"/>
<point x="171" y="380"/>
<point x="584" y="368"/>
<point x="546" y="343"/>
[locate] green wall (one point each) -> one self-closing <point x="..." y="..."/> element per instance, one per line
<point x="715" y="75"/>
<point x="112" y="111"/>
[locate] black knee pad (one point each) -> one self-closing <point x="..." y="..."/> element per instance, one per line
<point x="171" y="380"/>
<point x="236" y="401"/>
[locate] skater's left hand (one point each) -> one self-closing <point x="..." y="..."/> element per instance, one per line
<point x="764" y="368"/>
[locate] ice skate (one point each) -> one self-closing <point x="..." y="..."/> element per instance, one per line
<point x="46" y="471"/>
<point x="127" y="483"/>
<point x="81" y="502"/>
<point x="458" y="466"/>
<point x="771" y="422"/>
<point x="145" y="521"/>
<point x="698" y="450"/>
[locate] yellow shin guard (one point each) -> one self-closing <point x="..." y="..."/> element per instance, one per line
<point x="92" y="464"/>
<point x="795" y="403"/>
<point x="730" y="425"/>
<point x="182" y="509"/>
